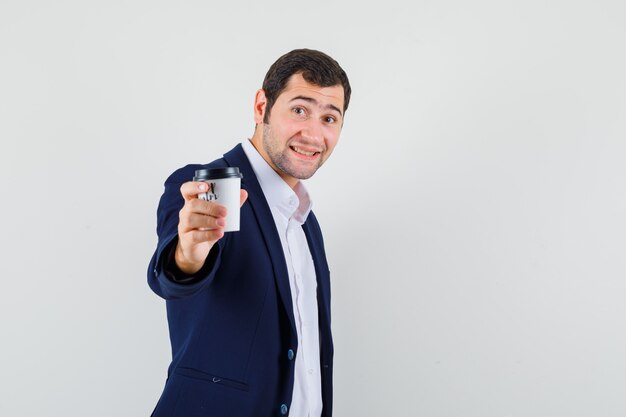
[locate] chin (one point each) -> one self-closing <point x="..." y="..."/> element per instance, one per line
<point x="299" y="173"/>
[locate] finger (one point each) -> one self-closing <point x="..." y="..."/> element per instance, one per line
<point x="199" y="236"/>
<point x="191" y="189"/>
<point x="207" y="208"/>
<point x="243" y="196"/>
<point x="200" y="221"/>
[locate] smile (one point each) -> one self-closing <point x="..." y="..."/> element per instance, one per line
<point x="303" y="152"/>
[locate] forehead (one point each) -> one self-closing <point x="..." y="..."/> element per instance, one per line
<point x="298" y="86"/>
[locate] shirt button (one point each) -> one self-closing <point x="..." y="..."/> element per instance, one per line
<point x="284" y="409"/>
<point x="290" y="354"/>
<point x="310" y="371"/>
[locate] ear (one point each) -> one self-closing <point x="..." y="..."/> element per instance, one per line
<point x="260" y="101"/>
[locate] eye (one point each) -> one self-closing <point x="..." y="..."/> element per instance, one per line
<point x="330" y="119"/>
<point x="299" y="111"/>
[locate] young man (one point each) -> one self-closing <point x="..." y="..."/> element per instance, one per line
<point x="249" y="311"/>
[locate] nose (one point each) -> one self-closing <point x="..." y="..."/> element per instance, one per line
<point x="312" y="131"/>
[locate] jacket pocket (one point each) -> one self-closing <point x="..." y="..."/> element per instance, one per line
<point x="203" y="376"/>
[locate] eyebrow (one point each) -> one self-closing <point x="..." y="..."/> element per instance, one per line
<point x="313" y="101"/>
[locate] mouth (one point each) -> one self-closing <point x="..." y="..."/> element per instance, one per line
<point x="303" y="153"/>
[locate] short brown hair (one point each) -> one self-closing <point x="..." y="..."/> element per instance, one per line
<point x="316" y="68"/>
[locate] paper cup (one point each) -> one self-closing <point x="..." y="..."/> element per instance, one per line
<point x="224" y="185"/>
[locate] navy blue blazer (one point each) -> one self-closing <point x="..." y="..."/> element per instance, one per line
<point x="232" y="328"/>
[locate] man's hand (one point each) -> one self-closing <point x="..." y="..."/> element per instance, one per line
<point x="200" y="225"/>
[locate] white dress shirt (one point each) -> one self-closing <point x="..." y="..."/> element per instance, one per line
<point x="290" y="208"/>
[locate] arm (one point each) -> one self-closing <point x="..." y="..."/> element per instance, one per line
<point x="190" y="232"/>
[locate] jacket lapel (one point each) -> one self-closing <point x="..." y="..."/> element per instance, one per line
<point x="260" y="208"/>
<point x="313" y="237"/>
<point x="316" y="246"/>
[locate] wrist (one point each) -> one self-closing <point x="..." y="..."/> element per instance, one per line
<point x="183" y="264"/>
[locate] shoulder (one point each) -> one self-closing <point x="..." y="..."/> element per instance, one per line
<point x="313" y="225"/>
<point x="312" y="220"/>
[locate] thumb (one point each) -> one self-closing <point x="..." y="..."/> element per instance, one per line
<point x="243" y="196"/>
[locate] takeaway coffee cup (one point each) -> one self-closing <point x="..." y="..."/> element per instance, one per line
<point x="224" y="185"/>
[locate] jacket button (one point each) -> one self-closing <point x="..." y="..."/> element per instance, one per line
<point x="284" y="409"/>
<point x="290" y="354"/>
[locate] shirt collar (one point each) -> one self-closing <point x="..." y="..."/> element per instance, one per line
<point x="290" y="202"/>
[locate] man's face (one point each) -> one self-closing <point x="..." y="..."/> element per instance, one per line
<point x="303" y="128"/>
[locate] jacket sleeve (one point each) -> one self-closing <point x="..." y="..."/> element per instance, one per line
<point x="161" y="280"/>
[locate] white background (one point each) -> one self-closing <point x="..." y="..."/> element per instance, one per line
<point x="474" y="210"/>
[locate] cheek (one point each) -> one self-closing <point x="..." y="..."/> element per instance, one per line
<point x="286" y="130"/>
<point x="332" y="137"/>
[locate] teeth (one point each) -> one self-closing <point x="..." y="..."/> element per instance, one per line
<point x="302" y="151"/>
